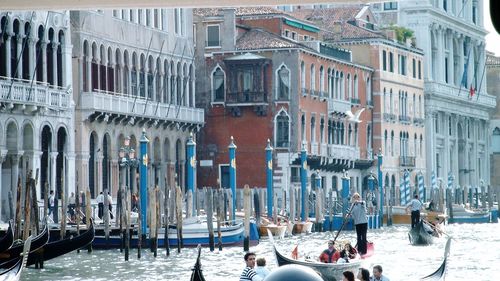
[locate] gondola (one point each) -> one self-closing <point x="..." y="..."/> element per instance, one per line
<point x="419" y="235"/>
<point x="58" y="248"/>
<point x="329" y="271"/>
<point x="36" y="243"/>
<point x="8" y="239"/>
<point x="440" y="273"/>
<point x="13" y="273"/>
<point x="197" y="274"/>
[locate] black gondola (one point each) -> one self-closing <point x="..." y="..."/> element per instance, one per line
<point x="58" y="248"/>
<point x="13" y="273"/>
<point x="16" y="250"/>
<point x="8" y="239"/>
<point x="197" y="274"/>
<point x="419" y="235"/>
<point x="440" y="273"/>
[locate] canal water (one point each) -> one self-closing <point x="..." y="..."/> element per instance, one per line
<point x="475" y="255"/>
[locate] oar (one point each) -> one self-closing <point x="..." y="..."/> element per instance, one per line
<point x="343" y="224"/>
<point x="435" y="228"/>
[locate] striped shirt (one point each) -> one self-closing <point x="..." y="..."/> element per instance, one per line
<point x="249" y="274"/>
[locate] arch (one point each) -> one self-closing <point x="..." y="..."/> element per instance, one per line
<point x="282" y="75"/>
<point x="28" y="137"/>
<point x="61" y="167"/>
<point x="282" y="129"/>
<point x="12" y="136"/>
<point x="218" y="82"/>
<point x="46" y="149"/>
<point x="167" y="157"/>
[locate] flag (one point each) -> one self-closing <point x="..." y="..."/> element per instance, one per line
<point x="472" y="91"/>
<point x="295" y="252"/>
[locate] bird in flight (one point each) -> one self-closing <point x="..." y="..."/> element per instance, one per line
<point x="355" y="117"/>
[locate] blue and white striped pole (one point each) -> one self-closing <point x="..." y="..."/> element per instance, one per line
<point x="407" y="187"/>
<point x="232" y="175"/>
<point x="402" y="196"/>
<point x="345" y="194"/>
<point x="191" y="148"/>
<point x="303" y="181"/>
<point x="421" y="188"/>
<point x="143" y="173"/>
<point x="269" y="178"/>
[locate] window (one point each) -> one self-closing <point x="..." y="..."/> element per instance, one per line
<point x="419" y="69"/>
<point x="356" y="86"/>
<point x="391" y="62"/>
<point x="384" y="60"/>
<point x="313" y="129"/>
<point x="414" y="68"/>
<point x="392" y="143"/>
<point x="349" y="86"/>
<point x="495" y="141"/>
<point x="402" y="64"/>
<point x="322" y="81"/>
<point x="283" y="77"/>
<point x="218" y="89"/>
<point x="450" y="130"/>
<point x="369" y="91"/>
<point x="282" y="129"/>
<point x="312" y="85"/>
<point x="390" y="6"/>
<point x="179" y="27"/>
<point x="213" y="39"/>
<point x="302" y="76"/>
<point x="294" y="35"/>
<point x="385" y="142"/>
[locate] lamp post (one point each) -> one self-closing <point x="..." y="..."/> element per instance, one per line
<point x="380" y="158"/>
<point x="127" y="162"/>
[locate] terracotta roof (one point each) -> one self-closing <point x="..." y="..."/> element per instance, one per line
<point x="261" y="39"/>
<point x="243" y="11"/>
<point x="337" y="14"/>
<point x="207" y="12"/>
<point x="350" y="31"/>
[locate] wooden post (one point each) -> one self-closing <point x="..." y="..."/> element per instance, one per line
<point x="292" y="203"/>
<point x="319" y="209"/>
<point x="119" y="215"/>
<point x="88" y="214"/>
<point x="139" y="225"/>
<point x="257" y="206"/>
<point x="246" y="209"/>
<point x="127" y="222"/>
<point x="189" y="204"/>
<point x="210" y="214"/>
<point x="63" y="207"/>
<point x="27" y="208"/>
<point x="17" y="233"/>
<point x="152" y="210"/>
<point x="105" y="213"/>
<point x="220" y="216"/>
<point x="36" y="212"/>
<point x="230" y="205"/>
<point x="158" y="217"/>
<point x="46" y="200"/>
<point x="178" y="204"/>
<point x="275" y="207"/>
<point x="166" y="217"/>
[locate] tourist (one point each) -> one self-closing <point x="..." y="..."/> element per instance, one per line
<point x="135" y="203"/>
<point x="330" y="255"/>
<point x="51" y="202"/>
<point x="415" y="205"/>
<point x="364" y="274"/>
<point x="351" y="251"/>
<point x="348" y="276"/>
<point x="377" y="274"/>
<point x="110" y="204"/>
<point x="71" y="206"/>
<point x="358" y="213"/>
<point x="100" y="205"/>
<point x="261" y="269"/>
<point x="249" y="273"/>
<point x="431" y="206"/>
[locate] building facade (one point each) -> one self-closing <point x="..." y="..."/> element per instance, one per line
<point x="271" y="77"/>
<point x="133" y="70"/>
<point x="36" y="115"/>
<point x="493" y="86"/>
<point x="457" y="104"/>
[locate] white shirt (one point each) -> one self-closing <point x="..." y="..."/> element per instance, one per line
<point x="100" y="198"/>
<point x="415" y="205"/>
<point x="261" y="271"/>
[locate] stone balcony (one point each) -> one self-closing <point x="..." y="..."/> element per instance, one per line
<point x="338" y="106"/>
<point x="407" y="161"/>
<point x="343" y="152"/>
<point x="450" y="93"/>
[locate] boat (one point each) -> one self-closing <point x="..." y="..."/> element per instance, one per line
<point x="419" y="235"/>
<point x="277" y="230"/>
<point x="197" y="274"/>
<point x="8" y="239"/>
<point x="36" y="243"/>
<point x="370" y="250"/>
<point x="302" y="227"/>
<point x="13" y="273"/>
<point x="440" y="273"/>
<point x="463" y="215"/>
<point x="401" y="216"/>
<point x="328" y="271"/>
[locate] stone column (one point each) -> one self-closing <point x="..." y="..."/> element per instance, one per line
<point x="32" y="55"/>
<point x="440" y="56"/>
<point x="66" y="65"/>
<point x="53" y="162"/>
<point x="44" y="60"/>
<point x="70" y="183"/>
<point x="98" y="180"/>
<point x="3" y="197"/>
<point x="19" y="66"/>
<point x="54" y="62"/>
<point x="146" y="74"/>
<point x="114" y="173"/>
<point x="89" y="74"/>
<point x="451" y="59"/>
<point x="461" y="58"/>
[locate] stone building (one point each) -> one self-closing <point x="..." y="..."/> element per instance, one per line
<point x="493" y="86"/>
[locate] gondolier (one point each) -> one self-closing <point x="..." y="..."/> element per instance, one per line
<point x="415" y="205"/>
<point x="358" y="213"/>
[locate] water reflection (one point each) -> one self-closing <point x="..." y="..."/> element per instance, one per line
<point x="475" y="251"/>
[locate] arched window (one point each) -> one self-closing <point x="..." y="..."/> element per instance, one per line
<point x="312" y="84"/>
<point x="349" y="86"/>
<point x="283" y="89"/>
<point x="386" y="150"/>
<point x="302" y="76"/>
<point x="303" y="127"/>
<point x="392" y="143"/>
<point x="313" y="129"/>
<point x="218" y="87"/>
<point x="356" y="94"/>
<point x="321" y="82"/>
<point x="282" y="129"/>
<point x="495" y="142"/>
<point x="368" y="138"/>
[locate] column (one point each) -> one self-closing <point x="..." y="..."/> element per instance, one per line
<point x="461" y="58"/>
<point x="115" y="174"/>
<point x="451" y="59"/>
<point x="104" y="62"/>
<point x="3" y="154"/>
<point x="53" y="156"/>
<point x="440" y="55"/>
<point x="70" y="183"/>
<point x="143" y="168"/>
<point x="54" y="61"/>
<point x="8" y="54"/>
<point x="98" y="177"/>
<point x="19" y="65"/>
<point x="32" y="55"/>
<point x="66" y="64"/>
<point x="44" y="60"/>
<point x="161" y="86"/>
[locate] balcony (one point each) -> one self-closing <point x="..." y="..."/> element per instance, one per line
<point x="314" y="148"/>
<point x="338" y="106"/>
<point x="343" y="152"/>
<point x="448" y="92"/>
<point x="407" y="161"/>
<point x="388" y="117"/>
<point x="37" y="96"/>
<point x="418" y="121"/>
<point x="355" y="101"/>
<point x="246" y="98"/>
<point x="404" y="119"/>
<point x="120" y="106"/>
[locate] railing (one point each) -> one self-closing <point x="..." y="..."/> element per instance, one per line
<point x="404" y="119"/>
<point x="37" y="95"/>
<point x="339" y="106"/>
<point x="246" y="97"/>
<point x="314" y="148"/>
<point x="129" y="105"/>
<point x="389" y="117"/>
<point x="407" y="161"/>
<point x="355" y="101"/>
<point x="324" y="149"/>
<point x="447" y="92"/>
<point x="343" y="152"/>
<point x="418" y="121"/>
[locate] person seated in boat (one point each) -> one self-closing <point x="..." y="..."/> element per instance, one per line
<point x="377" y="274"/>
<point x="351" y="251"/>
<point x="427" y="227"/>
<point x="249" y="273"/>
<point x="261" y="269"/>
<point x="431" y="206"/>
<point x="344" y="257"/>
<point x="330" y="255"/>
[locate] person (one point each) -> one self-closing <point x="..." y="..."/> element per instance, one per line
<point x="261" y="269"/>
<point x="110" y="204"/>
<point x="377" y="274"/>
<point x="415" y="205"/>
<point x="135" y="200"/>
<point x="330" y="255"/>
<point x="100" y="205"/>
<point x="348" y="276"/>
<point x="51" y="202"/>
<point x="249" y="273"/>
<point x="431" y="206"/>
<point x="350" y="250"/>
<point x="358" y="213"/>
<point x="72" y="206"/>
<point x="363" y="274"/>
<point x="344" y="258"/>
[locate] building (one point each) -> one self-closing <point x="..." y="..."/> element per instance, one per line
<point x="133" y="70"/>
<point x="264" y="74"/>
<point x="36" y="111"/>
<point x="493" y="86"/>
<point x="457" y="104"/>
<point x="397" y="82"/>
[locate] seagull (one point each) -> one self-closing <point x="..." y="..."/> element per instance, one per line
<point x="355" y="117"/>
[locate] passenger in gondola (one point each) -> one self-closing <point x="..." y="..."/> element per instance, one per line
<point x="350" y="250"/>
<point x="261" y="269"/>
<point x="249" y="273"/>
<point x="431" y="206"/>
<point x="330" y="255"/>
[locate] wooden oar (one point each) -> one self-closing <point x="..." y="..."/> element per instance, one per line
<point x="435" y="228"/>
<point x="343" y="224"/>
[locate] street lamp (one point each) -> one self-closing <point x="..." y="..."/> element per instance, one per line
<point x="127" y="162"/>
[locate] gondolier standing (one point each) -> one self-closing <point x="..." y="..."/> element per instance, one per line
<point x="358" y="213"/>
<point x="415" y="205"/>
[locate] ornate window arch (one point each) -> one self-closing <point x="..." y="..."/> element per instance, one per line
<point x="282" y="83"/>
<point x="282" y="129"/>
<point x="218" y="78"/>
